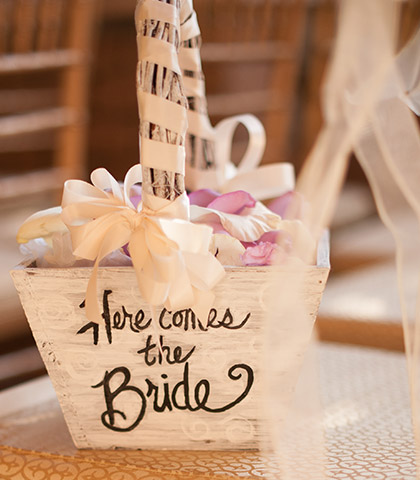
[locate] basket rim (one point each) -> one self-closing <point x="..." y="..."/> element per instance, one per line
<point x="323" y="262"/>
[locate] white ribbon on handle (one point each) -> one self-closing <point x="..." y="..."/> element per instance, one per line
<point x="262" y="182"/>
<point x="170" y="256"/>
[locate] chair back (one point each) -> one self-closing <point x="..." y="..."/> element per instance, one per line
<point x="252" y="54"/>
<point x="45" y="58"/>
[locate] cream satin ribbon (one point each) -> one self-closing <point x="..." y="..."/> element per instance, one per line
<point x="170" y="256"/>
<point x="262" y="182"/>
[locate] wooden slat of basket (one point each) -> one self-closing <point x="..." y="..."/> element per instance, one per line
<point x="231" y="293"/>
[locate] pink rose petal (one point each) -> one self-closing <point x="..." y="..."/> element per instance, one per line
<point x="202" y="197"/>
<point x="289" y="205"/>
<point x="249" y="244"/>
<point x="233" y="202"/>
<point x="282" y="238"/>
<point x="269" y="237"/>
<point x="262" y="254"/>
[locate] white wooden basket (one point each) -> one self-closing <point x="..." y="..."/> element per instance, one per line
<point x="175" y="382"/>
<point x="116" y="390"/>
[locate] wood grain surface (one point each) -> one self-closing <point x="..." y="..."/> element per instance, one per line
<point x="202" y="392"/>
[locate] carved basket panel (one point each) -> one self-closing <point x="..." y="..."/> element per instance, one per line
<point x="117" y="388"/>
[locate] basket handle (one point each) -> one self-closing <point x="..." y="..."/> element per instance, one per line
<point x="162" y="103"/>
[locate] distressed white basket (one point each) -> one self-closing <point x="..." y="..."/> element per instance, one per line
<point x="224" y="360"/>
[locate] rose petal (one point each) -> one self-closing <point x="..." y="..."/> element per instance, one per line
<point x="269" y="236"/>
<point x="290" y="205"/>
<point x="282" y="238"/>
<point x="42" y="224"/>
<point x="249" y="244"/>
<point x="248" y="227"/>
<point x="202" y="197"/>
<point x="233" y="202"/>
<point x="262" y="254"/>
<point x="228" y="250"/>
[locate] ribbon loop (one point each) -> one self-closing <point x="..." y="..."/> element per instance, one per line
<point x="255" y="149"/>
<point x="262" y="182"/>
<point x="166" y="251"/>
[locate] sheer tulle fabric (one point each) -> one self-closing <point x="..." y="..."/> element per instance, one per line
<point x="367" y="97"/>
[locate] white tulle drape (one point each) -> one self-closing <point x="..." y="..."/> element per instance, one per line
<point x="370" y="97"/>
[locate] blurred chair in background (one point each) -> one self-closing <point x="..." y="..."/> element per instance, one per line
<point x="252" y="55"/>
<point x="45" y="56"/>
<point x="45" y="53"/>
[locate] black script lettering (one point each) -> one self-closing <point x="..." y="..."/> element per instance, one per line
<point x="136" y="322"/>
<point x="106" y="315"/>
<point x="181" y="319"/>
<point x="162" y="317"/>
<point x="193" y="321"/>
<point x="178" y="318"/>
<point x="95" y="327"/>
<point x="212" y="318"/>
<point x="146" y="350"/>
<point x="227" y="321"/>
<point x="232" y="376"/>
<point x="108" y="417"/>
<point x="136" y="325"/>
<point x="185" y="319"/>
<point x="163" y="354"/>
<point x="166" y="403"/>
<point x="201" y="392"/>
<point x="184" y="384"/>
<point x="178" y="398"/>
<point x="117" y="322"/>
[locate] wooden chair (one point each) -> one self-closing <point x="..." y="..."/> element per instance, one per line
<point x="252" y="53"/>
<point x="44" y="74"/>
<point x="45" y="56"/>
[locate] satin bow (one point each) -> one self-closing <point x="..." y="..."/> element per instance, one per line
<point x="170" y="255"/>
<point x="262" y="182"/>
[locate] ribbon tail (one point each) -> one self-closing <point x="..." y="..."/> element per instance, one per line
<point x="108" y="245"/>
<point x="93" y="312"/>
<point x="267" y="181"/>
<point x="181" y="294"/>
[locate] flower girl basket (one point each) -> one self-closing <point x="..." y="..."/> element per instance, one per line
<point x="147" y="377"/>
